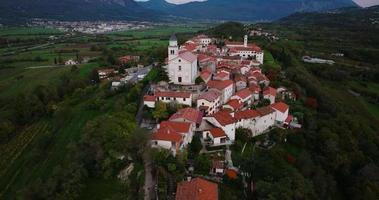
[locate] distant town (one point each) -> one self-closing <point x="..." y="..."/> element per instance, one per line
<point x="92" y="27"/>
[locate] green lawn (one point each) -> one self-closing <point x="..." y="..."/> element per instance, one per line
<point x="25" y="80"/>
<point x="269" y="60"/>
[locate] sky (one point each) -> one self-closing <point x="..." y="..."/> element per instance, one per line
<point x="363" y="3"/>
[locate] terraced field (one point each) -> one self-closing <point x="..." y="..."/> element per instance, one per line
<point x="10" y="153"/>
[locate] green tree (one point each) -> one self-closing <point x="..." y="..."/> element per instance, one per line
<point x="160" y="111"/>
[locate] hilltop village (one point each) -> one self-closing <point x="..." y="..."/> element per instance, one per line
<point x="219" y="89"/>
<point x="222" y="89"/>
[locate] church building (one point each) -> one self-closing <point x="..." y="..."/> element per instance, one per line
<point x="182" y="65"/>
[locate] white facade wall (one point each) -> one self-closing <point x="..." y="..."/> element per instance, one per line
<point x="179" y="68"/>
<point x="230" y="129"/>
<point x="240" y="85"/>
<point x="281" y="117"/>
<point x="213" y="106"/>
<point x="184" y="101"/>
<point x="270" y="97"/>
<point x="150" y="104"/>
<point x="227" y="93"/>
<point x="263" y="123"/>
<point x="205" y="41"/>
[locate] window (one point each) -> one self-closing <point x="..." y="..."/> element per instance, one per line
<point x="180" y="60"/>
<point x="184" y="99"/>
<point x="179" y="79"/>
<point x="180" y="68"/>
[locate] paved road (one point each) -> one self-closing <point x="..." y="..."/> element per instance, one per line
<point x="150" y="182"/>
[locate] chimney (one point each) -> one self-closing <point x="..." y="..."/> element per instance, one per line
<point x="245" y="41"/>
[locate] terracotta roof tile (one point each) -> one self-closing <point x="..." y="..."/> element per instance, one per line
<point x="246" y="114"/>
<point x="197" y="189"/>
<point x="190" y="114"/>
<point x="223" y="117"/>
<point x="220" y="85"/>
<point x="217" y="132"/>
<point x="280" y="106"/>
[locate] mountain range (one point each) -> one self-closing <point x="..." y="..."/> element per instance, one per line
<point x="243" y="10"/>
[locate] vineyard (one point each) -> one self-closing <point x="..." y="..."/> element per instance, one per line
<point x="12" y="150"/>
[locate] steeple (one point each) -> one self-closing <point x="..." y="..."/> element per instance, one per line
<point x="173" y="48"/>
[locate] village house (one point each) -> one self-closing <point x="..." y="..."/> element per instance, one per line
<point x="209" y="102"/>
<point x="265" y="121"/>
<point x="248" y="119"/>
<point x="281" y="110"/>
<point x="226" y="88"/>
<point x="190" y="115"/>
<point x="233" y="105"/>
<point x="197" y="189"/>
<point x="173" y="136"/>
<point x="269" y="93"/>
<point x="106" y="73"/>
<point x="184" y="98"/>
<point x="225" y="121"/>
<point x="245" y="96"/>
<point x="240" y="82"/>
<point x="217" y="137"/>
<point x="149" y="101"/>
<point x="128" y="58"/>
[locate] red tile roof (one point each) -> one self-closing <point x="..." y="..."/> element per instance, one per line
<point x="269" y="91"/>
<point x="289" y="119"/>
<point x="197" y="189"/>
<point x="220" y="85"/>
<point x="205" y="75"/>
<point x="223" y="117"/>
<point x="255" y="89"/>
<point x="173" y="94"/>
<point x="148" y="98"/>
<point x="167" y="134"/>
<point x="189" y="114"/>
<point x="235" y="104"/>
<point x="243" y="94"/>
<point x="246" y="114"/>
<point x="190" y="46"/>
<point x="217" y="132"/>
<point x="210" y="96"/>
<point x="265" y="110"/>
<point x="280" y="106"/>
<point x="180" y="127"/>
<point x="186" y="55"/>
<point x="222" y="75"/>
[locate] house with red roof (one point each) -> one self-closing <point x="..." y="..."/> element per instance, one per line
<point x="245" y="96"/>
<point x="173" y="136"/>
<point x="222" y="75"/>
<point x="184" y="98"/>
<point x="206" y="75"/>
<point x="197" y="189"/>
<point x="281" y="110"/>
<point x="256" y="90"/>
<point x="128" y="58"/>
<point x="246" y="119"/>
<point x="190" y="115"/>
<point x="218" y="167"/>
<point x="240" y="82"/>
<point x="265" y="121"/>
<point x="225" y="121"/>
<point x="209" y="102"/>
<point x="233" y="105"/>
<point x="226" y="88"/>
<point x="149" y="101"/>
<point x="216" y="136"/>
<point x="270" y="94"/>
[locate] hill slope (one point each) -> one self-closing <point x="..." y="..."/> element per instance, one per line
<point x="18" y="10"/>
<point x="244" y="9"/>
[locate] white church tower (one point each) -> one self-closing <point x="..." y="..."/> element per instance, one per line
<point x="182" y="67"/>
<point x="245" y="41"/>
<point x="173" y="48"/>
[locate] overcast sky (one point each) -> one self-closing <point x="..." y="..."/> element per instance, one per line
<point x="364" y="3"/>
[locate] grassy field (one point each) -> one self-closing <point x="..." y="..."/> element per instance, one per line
<point x="270" y="61"/>
<point x="25" y="80"/>
<point x="161" y="31"/>
<point x="27" y="31"/>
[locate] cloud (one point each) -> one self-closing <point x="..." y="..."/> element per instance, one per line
<point x="367" y="3"/>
